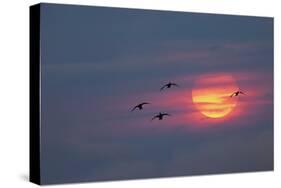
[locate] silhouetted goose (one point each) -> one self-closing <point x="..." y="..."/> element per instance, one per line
<point x="236" y="93"/>
<point x="139" y="106"/>
<point x="169" y="85"/>
<point x="160" y="116"/>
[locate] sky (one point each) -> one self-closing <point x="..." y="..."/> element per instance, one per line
<point x="97" y="63"/>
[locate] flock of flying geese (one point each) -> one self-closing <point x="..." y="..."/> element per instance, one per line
<point x="169" y="85"/>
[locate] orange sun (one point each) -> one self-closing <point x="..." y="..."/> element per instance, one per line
<point x="211" y="95"/>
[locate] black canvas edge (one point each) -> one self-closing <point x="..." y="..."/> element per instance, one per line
<point x="34" y="95"/>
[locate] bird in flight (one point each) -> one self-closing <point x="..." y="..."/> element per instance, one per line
<point x="139" y="106"/>
<point x="160" y="116"/>
<point x="169" y="85"/>
<point x="236" y="93"/>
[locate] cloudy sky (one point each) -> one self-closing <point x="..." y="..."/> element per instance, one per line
<point x="98" y="63"/>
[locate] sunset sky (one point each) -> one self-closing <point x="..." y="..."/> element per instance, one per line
<point x="98" y="63"/>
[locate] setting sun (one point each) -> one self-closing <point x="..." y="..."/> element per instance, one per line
<point x="211" y="95"/>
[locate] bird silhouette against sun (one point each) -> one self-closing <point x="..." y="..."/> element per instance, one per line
<point x="169" y="85"/>
<point x="236" y="93"/>
<point x="140" y="106"/>
<point x="160" y="116"/>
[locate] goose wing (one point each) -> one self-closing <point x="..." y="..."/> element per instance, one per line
<point x="144" y="103"/>
<point x="165" y="114"/>
<point x="154" y="117"/>
<point x="242" y="92"/>
<point x="232" y="94"/>
<point x="134" y="108"/>
<point x="174" y="84"/>
<point x="163" y="87"/>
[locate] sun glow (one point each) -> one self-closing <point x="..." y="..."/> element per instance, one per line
<point x="211" y="95"/>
